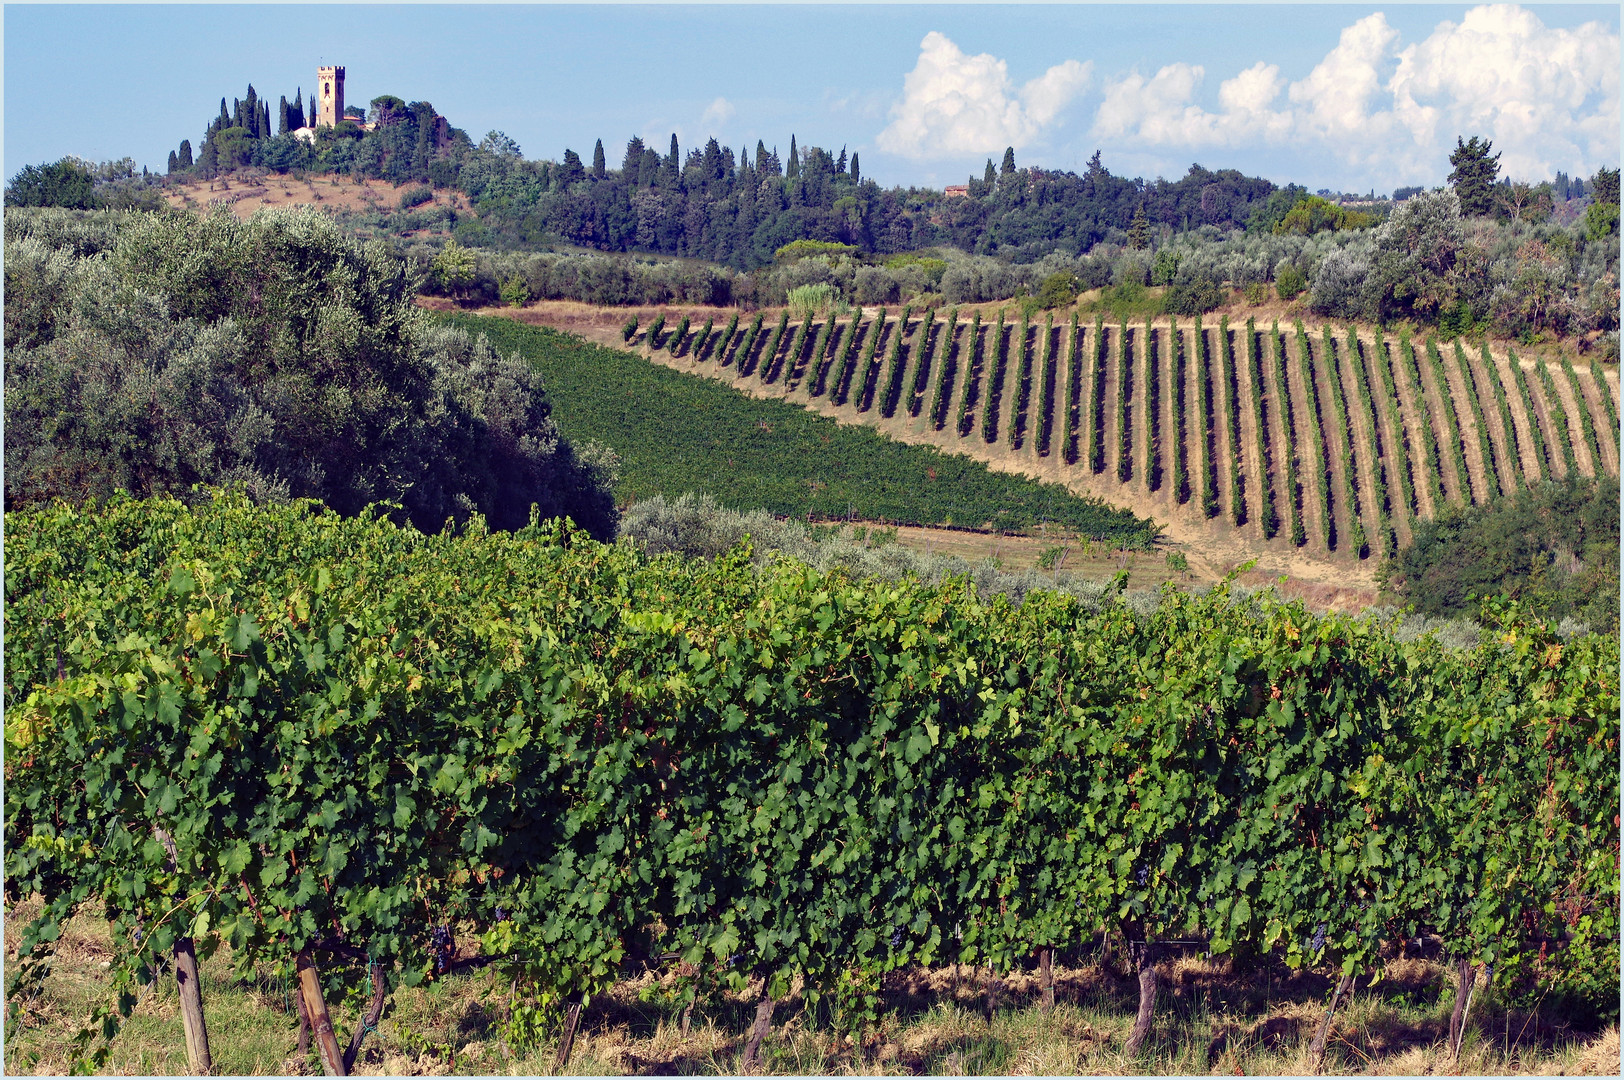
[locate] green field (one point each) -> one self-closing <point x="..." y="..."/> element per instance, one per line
<point x="677" y="433"/>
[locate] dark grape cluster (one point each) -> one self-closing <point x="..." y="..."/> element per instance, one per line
<point x="1319" y="939"/>
<point x="1144" y="873"/>
<point x="441" y="947"/>
<point x="896" y="937"/>
<point x="501" y="914"/>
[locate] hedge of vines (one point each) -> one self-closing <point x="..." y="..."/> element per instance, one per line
<point x="538" y="749"/>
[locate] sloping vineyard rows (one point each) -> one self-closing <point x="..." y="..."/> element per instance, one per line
<point x="1232" y="414"/>
<point x="1289" y="442"/>
<point x="1485" y="445"/>
<point x="1316" y="436"/>
<point x="1176" y="435"/>
<point x="1464" y="488"/>
<point x="1432" y="460"/>
<point x="379" y="752"/>
<point x="1345" y="444"/>
<point x="1260" y="426"/>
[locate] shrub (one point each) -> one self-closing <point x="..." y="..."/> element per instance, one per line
<point x="515" y="292"/>
<point x="1194" y="297"/>
<point x="416" y="196"/>
<point x="1058" y="289"/>
<point x="280" y="354"/>
<point x="1289" y="282"/>
<point x="628" y="328"/>
<point x="809" y="299"/>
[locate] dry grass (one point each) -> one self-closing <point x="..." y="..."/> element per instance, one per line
<point x="1210" y="1020"/>
<point x="249" y="191"/>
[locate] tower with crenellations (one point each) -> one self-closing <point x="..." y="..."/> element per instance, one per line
<point x="329" y="96"/>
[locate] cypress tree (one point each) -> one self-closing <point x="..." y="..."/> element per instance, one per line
<point x="840" y="162"/>
<point x="633" y="161"/>
<point x="1473" y="175"/>
<point x="990" y="177"/>
<point x="1139" y="230"/>
<point x="186" y="153"/>
<point x="672" y="166"/>
<point x="856" y="173"/>
<point x="1008" y="168"/>
<point x="225" y="117"/>
<point x="761" y="156"/>
<point x="792" y="167"/>
<point x="174" y="163"/>
<point x="598" y="164"/>
<point x="297" y="118"/>
<point x="282" y="126"/>
<point x="265" y="119"/>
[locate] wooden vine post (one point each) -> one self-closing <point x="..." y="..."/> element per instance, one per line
<point x="1046" y="977"/>
<point x="332" y="1058"/>
<point x="198" y="1058"/>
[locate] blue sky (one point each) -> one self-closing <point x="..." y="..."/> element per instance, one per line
<point x="1347" y="97"/>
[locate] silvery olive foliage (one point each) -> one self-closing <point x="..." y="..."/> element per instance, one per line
<point x="153" y="352"/>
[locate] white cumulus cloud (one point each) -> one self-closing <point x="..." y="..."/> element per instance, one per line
<point x="1548" y="98"/>
<point x="717" y="114"/>
<point x="953" y="103"/>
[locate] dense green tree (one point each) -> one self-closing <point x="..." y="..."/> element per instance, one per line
<point x="1553" y="545"/>
<point x="856" y="173"/>
<point x="1473" y="175"/>
<point x="792" y="167"/>
<point x="68" y="183"/>
<point x="173" y="163"/>
<point x="671" y="167"/>
<point x="1008" y="167"/>
<point x="633" y="160"/>
<point x="1139" y="230"/>
<point x="185" y="155"/>
<point x="990" y="175"/>
<point x="572" y="169"/>
<point x="599" y="166"/>
<point x="297" y="115"/>
<point x="278" y="353"/>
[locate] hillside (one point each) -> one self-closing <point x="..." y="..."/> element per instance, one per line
<point x="676" y="433"/>
<point x="1340" y="444"/>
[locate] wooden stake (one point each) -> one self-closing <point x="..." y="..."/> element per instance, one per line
<point x="1046" y="977"/>
<point x="304" y="1026"/>
<point x="758" y="1030"/>
<point x="191" y="1008"/>
<point x="1147" y="1000"/>
<point x="332" y="1058"/>
<point x="1323" y="1036"/>
<point x="198" y="1058"/>
<point x="688" y="1015"/>
<point x="566" y="1045"/>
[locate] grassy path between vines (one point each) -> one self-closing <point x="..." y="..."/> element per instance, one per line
<point x="1208" y="1020"/>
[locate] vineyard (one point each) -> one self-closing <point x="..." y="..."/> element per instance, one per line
<point x="1332" y="441"/>
<point x="675" y="433"/>
<point x="368" y="757"/>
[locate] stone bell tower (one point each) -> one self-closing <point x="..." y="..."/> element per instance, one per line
<point x="329" y="96"/>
